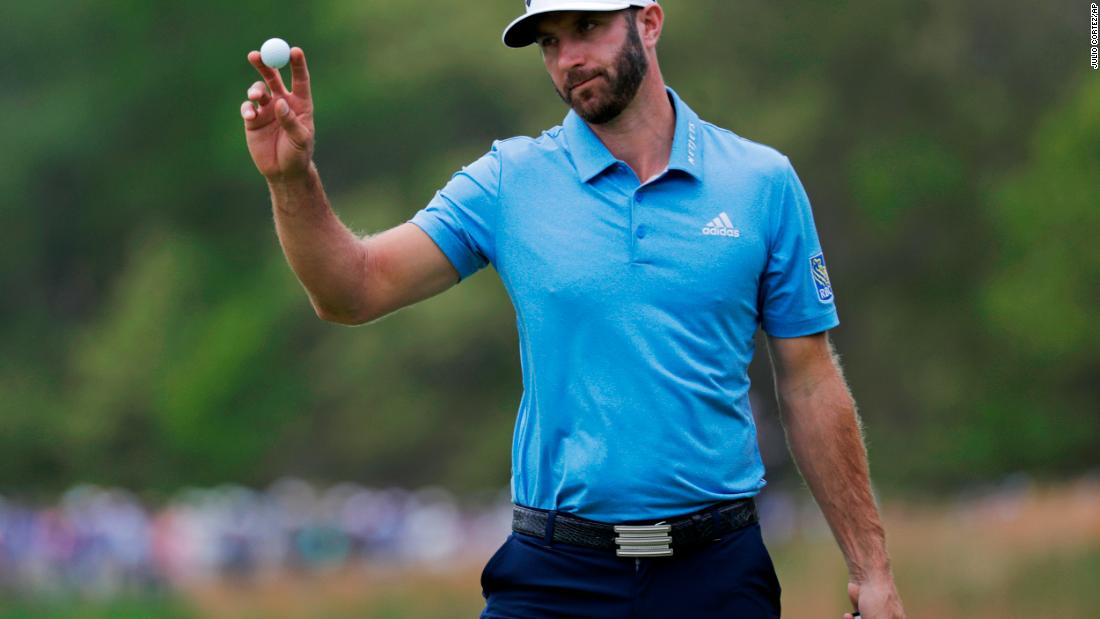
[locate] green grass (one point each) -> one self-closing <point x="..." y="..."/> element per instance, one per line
<point x="144" y="607"/>
<point x="1064" y="585"/>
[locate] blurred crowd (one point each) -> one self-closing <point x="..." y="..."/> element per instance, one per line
<point x="105" y="541"/>
<point x="102" y="541"/>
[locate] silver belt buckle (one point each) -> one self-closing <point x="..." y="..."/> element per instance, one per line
<point x="651" y="540"/>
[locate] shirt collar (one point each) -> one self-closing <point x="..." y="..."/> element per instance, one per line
<point x="591" y="157"/>
<point x="687" y="145"/>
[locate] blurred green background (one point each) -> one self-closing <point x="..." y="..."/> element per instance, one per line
<point x="152" y="336"/>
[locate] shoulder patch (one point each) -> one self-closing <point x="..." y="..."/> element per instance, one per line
<point x="821" y="278"/>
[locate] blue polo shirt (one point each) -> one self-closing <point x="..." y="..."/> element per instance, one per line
<point x="636" y="305"/>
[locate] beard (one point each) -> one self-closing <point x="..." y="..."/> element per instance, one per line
<point x="622" y="82"/>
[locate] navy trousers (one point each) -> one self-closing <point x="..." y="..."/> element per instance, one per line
<point x="533" y="578"/>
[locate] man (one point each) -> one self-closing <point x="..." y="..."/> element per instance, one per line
<point x="641" y="247"/>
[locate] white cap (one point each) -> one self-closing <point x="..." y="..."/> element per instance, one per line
<point x="519" y="33"/>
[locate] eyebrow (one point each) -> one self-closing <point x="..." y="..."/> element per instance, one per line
<point x="539" y="32"/>
<point x="593" y="15"/>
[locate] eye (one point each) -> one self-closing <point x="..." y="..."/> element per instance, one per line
<point x="586" y="25"/>
<point x="546" y="41"/>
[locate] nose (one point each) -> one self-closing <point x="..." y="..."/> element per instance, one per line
<point x="570" y="54"/>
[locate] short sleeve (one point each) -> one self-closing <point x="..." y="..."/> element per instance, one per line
<point x="796" y="294"/>
<point x="460" y="218"/>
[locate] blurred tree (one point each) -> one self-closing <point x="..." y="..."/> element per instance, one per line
<point x="151" y="333"/>
<point x="1040" y="303"/>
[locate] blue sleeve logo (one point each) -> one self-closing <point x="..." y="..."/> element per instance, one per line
<point x="821" y="278"/>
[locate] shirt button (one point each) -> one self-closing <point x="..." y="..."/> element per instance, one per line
<point x="638" y="198"/>
<point x="641" y="232"/>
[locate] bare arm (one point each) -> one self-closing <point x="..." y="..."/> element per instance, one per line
<point x="824" y="435"/>
<point x="350" y="280"/>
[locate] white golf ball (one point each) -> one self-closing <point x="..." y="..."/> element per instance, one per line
<point x="275" y="53"/>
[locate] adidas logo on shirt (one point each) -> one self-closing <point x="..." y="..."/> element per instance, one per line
<point x="721" y="226"/>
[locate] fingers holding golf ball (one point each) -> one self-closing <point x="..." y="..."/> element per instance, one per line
<point x="271" y="76"/>
<point x="278" y="123"/>
<point x="298" y="70"/>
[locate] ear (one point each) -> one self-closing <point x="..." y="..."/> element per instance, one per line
<point x="650" y="21"/>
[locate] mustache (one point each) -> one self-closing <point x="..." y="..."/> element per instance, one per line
<point x="576" y="77"/>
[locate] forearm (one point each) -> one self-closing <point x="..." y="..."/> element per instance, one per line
<point x="329" y="260"/>
<point x="825" y="440"/>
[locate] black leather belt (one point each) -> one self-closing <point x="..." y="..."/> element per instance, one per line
<point x="637" y="540"/>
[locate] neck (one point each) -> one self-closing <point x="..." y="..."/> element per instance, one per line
<point x="641" y="136"/>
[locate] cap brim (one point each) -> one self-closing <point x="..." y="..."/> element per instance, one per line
<point x="521" y="33"/>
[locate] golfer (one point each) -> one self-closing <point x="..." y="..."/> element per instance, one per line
<point x="642" y="247"/>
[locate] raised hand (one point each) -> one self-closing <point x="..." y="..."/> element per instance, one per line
<point x="278" y="124"/>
